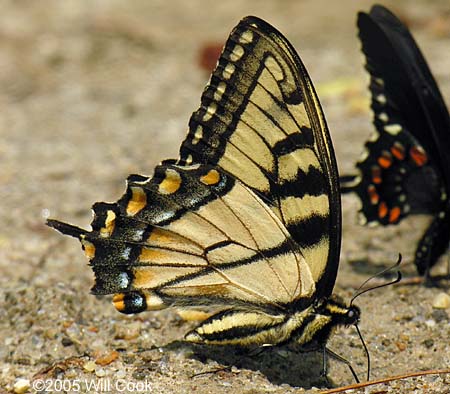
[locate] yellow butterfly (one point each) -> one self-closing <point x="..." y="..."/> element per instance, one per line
<point x="248" y="218"/>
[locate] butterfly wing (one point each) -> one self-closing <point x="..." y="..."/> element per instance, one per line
<point x="249" y="214"/>
<point x="260" y="120"/>
<point x="186" y="237"/>
<point x="405" y="168"/>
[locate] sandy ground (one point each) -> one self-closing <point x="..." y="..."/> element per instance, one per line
<point x="91" y="91"/>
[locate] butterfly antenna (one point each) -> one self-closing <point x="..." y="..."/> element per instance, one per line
<point x="396" y="280"/>
<point x="359" y="292"/>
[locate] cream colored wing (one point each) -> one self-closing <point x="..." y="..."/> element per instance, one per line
<point x="261" y="121"/>
<point x="193" y="235"/>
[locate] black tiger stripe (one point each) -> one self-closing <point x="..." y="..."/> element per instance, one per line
<point x="294" y="141"/>
<point x="312" y="182"/>
<point x="311" y="230"/>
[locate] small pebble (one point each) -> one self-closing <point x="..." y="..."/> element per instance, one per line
<point x="430" y="323"/>
<point x="139" y="374"/>
<point x="441" y="301"/>
<point x="428" y="343"/>
<point x="108" y="358"/>
<point x="404" y="337"/>
<point x="66" y="342"/>
<point x="89" y="366"/>
<point x="439" y="315"/>
<point x="121" y="374"/>
<point x="21" y="386"/>
<point x="100" y="372"/>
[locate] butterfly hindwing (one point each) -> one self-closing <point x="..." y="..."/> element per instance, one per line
<point x="260" y="120"/>
<point x="195" y="248"/>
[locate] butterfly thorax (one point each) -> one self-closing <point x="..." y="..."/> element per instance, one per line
<point x="324" y="316"/>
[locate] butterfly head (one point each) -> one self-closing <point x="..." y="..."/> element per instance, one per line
<point x="340" y="313"/>
<point x="353" y="315"/>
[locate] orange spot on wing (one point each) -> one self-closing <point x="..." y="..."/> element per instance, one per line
<point x="137" y="202"/>
<point x="89" y="249"/>
<point x="385" y="160"/>
<point x="211" y="178"/>
<point x="382" y="210"/>
<point x="398" y="151"/>
<point x="373" y="195"/>
<point x="171" y="183"/>
<point x="418" y="155"/>
<point x="110" y="223"/>
<point x="118" y="301"/>
<point x="394" y="214"/>
<point x="376" y="175"/>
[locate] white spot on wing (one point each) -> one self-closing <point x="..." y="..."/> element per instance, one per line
<point x="393" y="129"/>
<point x="126" y="253"/>
<point x="381" y="98"/>
<point x="228" y="71"/>
<point x="236" y="53"/>
<point x="379" y="81"/>
<point x="246" y="37"/>
<point x="197" y="135"/>
<point x="137" y="236"/>
<point x="383" y="116"/>
<point x="210" y="111"/>
<point x="220" y="91"/>
<point x="123" y="280"/>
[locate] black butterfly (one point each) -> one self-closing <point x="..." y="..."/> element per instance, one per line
<point x="406" y="166"/>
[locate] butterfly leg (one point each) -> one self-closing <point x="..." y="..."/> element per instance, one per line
<point x="256" y="352"/>
<point x="336" y="356"/>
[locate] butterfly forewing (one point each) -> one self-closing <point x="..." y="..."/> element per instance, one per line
<point x="260" y="120"/>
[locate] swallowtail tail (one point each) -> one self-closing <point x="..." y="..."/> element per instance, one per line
<point x="246" y="219"/>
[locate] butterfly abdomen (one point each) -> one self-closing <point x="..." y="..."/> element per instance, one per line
<point x="244" y="328"/>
